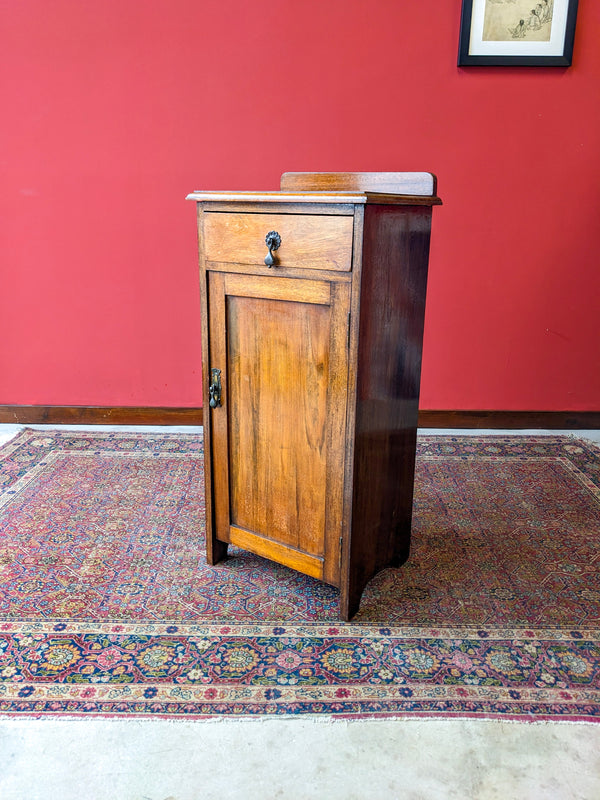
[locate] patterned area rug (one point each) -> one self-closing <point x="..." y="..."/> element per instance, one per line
<point x="108" y="608"/>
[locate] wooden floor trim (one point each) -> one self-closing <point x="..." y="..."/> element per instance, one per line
<point x="511" y="420"/>
<point x="99" y="415"/>
<point x="125" y="415"/>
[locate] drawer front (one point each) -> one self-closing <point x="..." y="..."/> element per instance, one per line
<point x="307" y="242"/>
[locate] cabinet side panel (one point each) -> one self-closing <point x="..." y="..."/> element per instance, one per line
<point x="392" y="310"/>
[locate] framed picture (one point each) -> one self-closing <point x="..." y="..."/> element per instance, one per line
<point x="517" y="33"/>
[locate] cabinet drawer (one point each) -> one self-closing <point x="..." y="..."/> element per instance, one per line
<point x="307" y="241"/>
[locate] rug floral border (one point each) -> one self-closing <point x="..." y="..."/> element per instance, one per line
<point x="118" y="669"/>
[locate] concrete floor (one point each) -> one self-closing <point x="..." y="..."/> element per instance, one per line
<point x="301" y="758"/>
<point x="298" y="759"/>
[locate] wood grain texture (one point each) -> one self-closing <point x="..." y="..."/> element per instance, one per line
<point x="216" y="550"/>
<point x="220" y="201"/>
<point x="278" y="363"/>
<point x="275" y="201"/>
<point x="402" y="183"/>
<point x="302" y="204"/>
<point x="510" y="420"/>
<point x="454" y="418"/>
<point x="278" y="437"/>
<point x="99" y="415"/>
<point x="295" y="559"/>
<point x="310" y="242"/>
<point x="284" y="272"/>
<point x="275" y="288"/>
<point x="216" y="422"/>
<point x="313" y="447"/>
<point x="389" y="345"/>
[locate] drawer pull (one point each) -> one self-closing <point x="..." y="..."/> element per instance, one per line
<point x="273" y="242"/>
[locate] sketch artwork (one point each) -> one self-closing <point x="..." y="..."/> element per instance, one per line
<point x="529" y="20"/>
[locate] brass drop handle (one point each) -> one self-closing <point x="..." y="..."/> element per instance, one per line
<point x="214" y="390"/>
<point x="273" y="242"/>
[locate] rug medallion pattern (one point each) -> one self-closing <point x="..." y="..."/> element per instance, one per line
<point x="108" y="608"/>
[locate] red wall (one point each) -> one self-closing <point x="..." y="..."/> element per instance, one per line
<point x="113" y="111"/>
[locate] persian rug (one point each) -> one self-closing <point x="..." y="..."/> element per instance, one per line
<point x="107" y="607"/>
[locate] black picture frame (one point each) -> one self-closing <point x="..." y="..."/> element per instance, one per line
<point x="519" y="51"/>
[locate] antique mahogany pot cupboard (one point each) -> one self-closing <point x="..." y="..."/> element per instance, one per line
<point x="313" y="300"/>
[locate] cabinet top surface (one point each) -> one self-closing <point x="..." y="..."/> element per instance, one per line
<point x="401" y="188"/>
<point x="312" y="197"/>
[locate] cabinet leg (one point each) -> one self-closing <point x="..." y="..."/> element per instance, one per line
<point x="349" y="603"/>
<point x="215" y="551"/>
<point x="401" y="540"/>
<point x="400" y="556"/>
<point x="351" y="593"/>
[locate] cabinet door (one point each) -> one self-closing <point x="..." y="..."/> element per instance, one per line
<point x="278" y="437"/>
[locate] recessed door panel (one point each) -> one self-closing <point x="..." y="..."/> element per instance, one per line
<point x="278" y="438"/>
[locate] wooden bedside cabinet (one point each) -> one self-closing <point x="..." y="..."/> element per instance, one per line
<point x="313" y="302"/>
